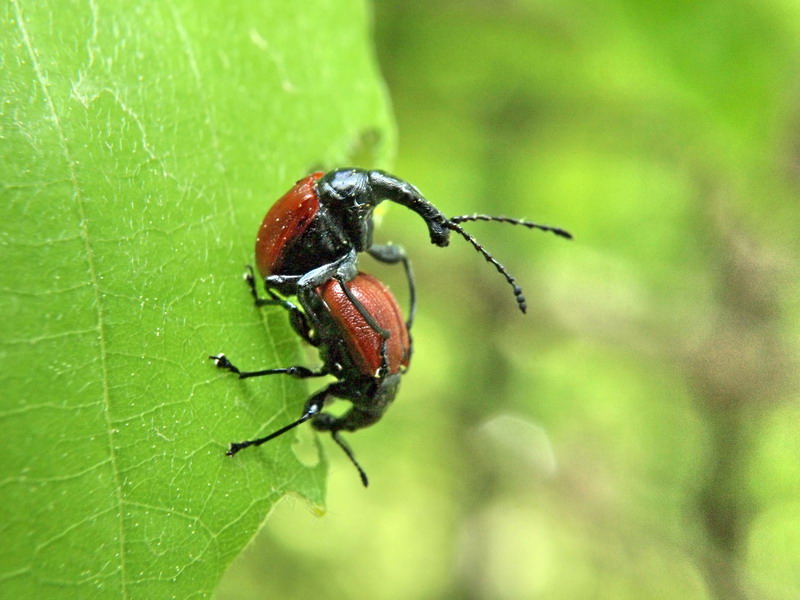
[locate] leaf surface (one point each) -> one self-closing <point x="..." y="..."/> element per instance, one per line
<point x="140" y="146"/>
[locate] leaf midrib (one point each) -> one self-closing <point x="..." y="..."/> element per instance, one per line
<point x="73" y="177"/>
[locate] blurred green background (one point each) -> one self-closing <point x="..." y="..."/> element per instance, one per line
<point x="637" y="433"/>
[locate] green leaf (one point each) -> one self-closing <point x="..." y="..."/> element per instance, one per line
<point x="140" y="146"/>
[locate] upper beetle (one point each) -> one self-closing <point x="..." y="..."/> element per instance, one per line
<point x="324" y="218"/>
<point x="315" y="231"/>
<point x="366" y="351"/>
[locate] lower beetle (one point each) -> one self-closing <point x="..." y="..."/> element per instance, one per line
<point x="363" y="341"/>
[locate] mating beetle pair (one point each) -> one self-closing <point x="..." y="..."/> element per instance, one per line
<point x="307" y="246"/>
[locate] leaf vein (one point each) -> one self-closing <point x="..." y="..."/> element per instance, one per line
<point x="41" y="77"/>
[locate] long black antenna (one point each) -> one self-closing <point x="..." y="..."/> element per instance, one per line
<point x="453" y="224"/>
<point x="500" y="268"/>
<point x="530" y="225"/>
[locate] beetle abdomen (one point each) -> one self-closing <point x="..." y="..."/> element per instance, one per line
<point x="361" y="339"/>
<point x="285" y="222"/>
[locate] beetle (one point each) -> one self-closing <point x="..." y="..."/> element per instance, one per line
<point x="307" y="246"/>
<point x="367" y="352"/>
<point x="316" y="229"/>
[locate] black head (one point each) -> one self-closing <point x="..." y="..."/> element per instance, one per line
<point x="349" y="198"/>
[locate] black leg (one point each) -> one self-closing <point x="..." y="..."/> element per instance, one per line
<point x="313" y="406"/>
<point x="327" y="422"/>
<point x="343" y="268"/>
<point x="347" y="450"/>
<point x="297" y="318"/>
<point x="299" y="372"/>
<point x="250" y="280"/>
<point x="392" y="254"/>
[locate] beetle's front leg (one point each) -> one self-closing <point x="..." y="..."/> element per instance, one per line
<point x="392" y="254"/>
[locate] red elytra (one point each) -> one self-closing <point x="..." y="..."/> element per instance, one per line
<point x="288" y="218"/>
<point x="361" y="340"/>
